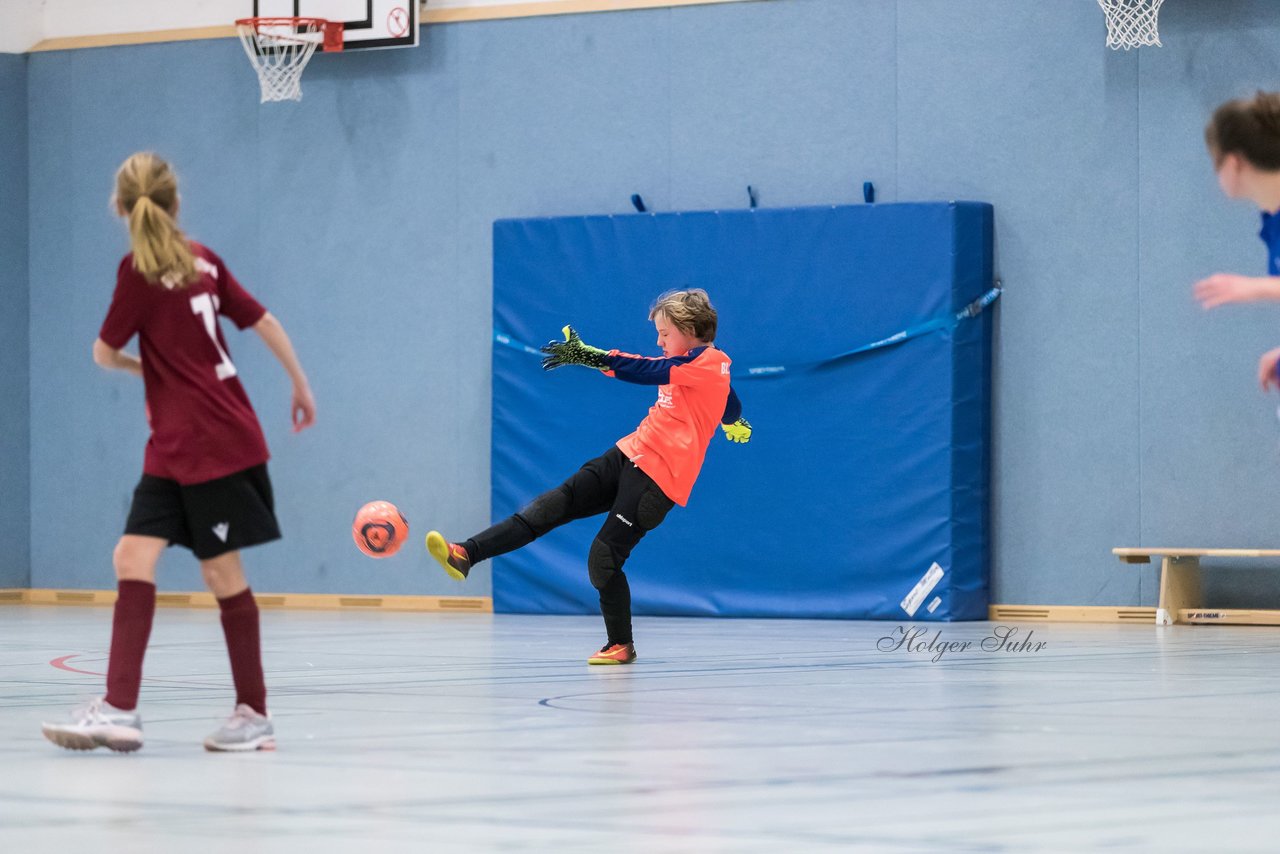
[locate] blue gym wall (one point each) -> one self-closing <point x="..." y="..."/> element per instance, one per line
<point x="15" y="415"/>
<point x="363" y="217"/>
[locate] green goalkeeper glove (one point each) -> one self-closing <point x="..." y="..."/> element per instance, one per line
<point x="571" y="351"/>
<point x="738" y="432"/>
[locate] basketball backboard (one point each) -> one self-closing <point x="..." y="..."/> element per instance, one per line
<point x="366" y="23"/>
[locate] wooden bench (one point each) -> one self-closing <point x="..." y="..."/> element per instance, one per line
<point x="1180" y="586"/>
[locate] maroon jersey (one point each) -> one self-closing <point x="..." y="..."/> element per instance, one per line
<point x="202" y="424"/>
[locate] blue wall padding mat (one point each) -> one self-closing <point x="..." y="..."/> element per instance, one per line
<point x="864" y="471"/>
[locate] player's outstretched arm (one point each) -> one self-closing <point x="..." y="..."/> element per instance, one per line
<point x="572" y="351"/>
<point x="1267" y="376"/>
<point x="736" y="428"/>
<point x="110" y="358"/>
<point x="302" y="408"/>
<point x="1224" y="288"/>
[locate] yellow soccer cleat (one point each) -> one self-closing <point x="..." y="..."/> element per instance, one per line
<point x="451" y="556"/>
<point x="614" y="653"/>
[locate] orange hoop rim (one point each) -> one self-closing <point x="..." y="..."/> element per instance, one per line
<point x="330" y="31"/>
<point x="280" y="22"/>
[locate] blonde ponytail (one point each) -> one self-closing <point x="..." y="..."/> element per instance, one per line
<point x="147" y="193"/>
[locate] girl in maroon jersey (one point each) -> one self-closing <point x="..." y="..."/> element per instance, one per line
<point x="204" y="483"/>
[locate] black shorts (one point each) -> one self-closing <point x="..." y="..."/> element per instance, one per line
<point x="210" y="518"/>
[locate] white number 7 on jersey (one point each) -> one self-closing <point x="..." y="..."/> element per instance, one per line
<point x="206" y="305"/>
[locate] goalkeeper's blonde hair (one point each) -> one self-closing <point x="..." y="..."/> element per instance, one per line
<point x="147" y="194"/>
<point x="690" y="311"/>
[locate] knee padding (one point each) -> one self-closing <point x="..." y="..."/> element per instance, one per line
<point x="546" y="511"/>
<point x="602" y="563"/>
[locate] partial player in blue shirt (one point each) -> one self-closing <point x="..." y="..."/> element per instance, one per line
<point x="1243" y="138"/>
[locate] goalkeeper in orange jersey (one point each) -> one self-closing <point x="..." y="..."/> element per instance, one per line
<point x="639" y="479"/>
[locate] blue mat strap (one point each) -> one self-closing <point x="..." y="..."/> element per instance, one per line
<point x="507" y="341"/>
<point x="948" y="321"/>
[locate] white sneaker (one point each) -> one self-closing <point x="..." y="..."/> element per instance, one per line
<point x="244" y="730"/>
<point x="98" y="724"/>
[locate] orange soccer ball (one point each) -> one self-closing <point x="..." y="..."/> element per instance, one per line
<point x="379" y="529"/>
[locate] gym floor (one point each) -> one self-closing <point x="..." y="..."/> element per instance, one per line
<point x="450" y="732"/>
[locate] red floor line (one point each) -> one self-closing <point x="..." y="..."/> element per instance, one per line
<point x="61" y="664"/>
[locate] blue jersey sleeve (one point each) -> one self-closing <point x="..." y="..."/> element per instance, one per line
<point x="732" y="408"/>
<point x="642" y="370"/>
<point x="1270" y="235"/>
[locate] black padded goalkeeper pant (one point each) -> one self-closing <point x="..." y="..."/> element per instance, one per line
<point x="608" y="484"/>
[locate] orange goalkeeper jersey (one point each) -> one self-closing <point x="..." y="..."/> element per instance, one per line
<point x="693" y="398"/>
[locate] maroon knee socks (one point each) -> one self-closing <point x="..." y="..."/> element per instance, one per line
<point x="130" y="629"/>
<point x="244" y="646"/>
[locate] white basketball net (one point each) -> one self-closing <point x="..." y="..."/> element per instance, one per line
<point x="1132" y="23"/>
<point x="279" y="51"/>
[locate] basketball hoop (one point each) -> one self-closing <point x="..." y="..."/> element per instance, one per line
<point x="279" y="49"/>
<point x="1132" y="23"/>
